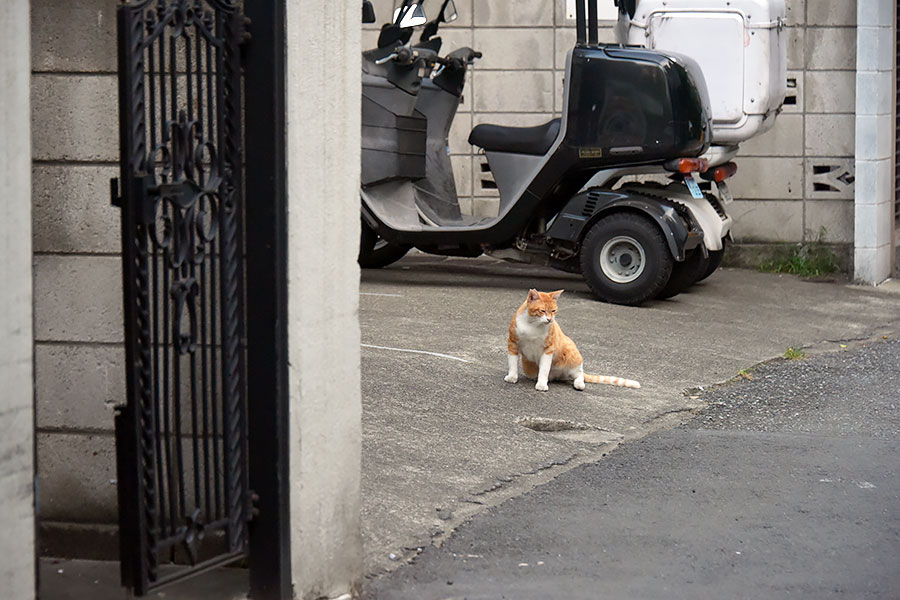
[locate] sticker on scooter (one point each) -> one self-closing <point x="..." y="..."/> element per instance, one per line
<point x="691" y="183"/>
<point x="724" y="193"/>
<point x="590" y="153"/>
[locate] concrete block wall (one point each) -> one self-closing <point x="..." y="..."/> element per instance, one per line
<point x="792" y="181"/>
<point x="79" y="356"/>
<point x="797" y="181"/>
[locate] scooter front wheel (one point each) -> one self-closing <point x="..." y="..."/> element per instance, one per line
<point x="374" y="252"/>
<point x="625" y="260"/>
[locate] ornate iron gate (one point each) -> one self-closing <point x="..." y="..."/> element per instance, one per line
<point x="181" y="437"/>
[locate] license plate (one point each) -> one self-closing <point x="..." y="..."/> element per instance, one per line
<point x="724" y="192"/>
<point x="691" y="183"/>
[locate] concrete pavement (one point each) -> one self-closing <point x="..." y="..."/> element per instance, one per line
<point x="786" y="486"/>
<point x="445" y="436"/>
<point x="64" y="579"/>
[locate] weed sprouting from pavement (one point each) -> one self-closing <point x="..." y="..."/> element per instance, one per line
<point x="792" y="354"/>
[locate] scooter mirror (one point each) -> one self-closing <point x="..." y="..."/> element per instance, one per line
<point x="368" y="12"/>
<point x="412" y="17"/>
<point x="448" y="15"/>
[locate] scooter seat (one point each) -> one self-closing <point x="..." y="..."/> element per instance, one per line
<point x="517" y="140"/>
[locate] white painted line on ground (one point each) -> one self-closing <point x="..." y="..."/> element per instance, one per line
<point x="438" y="354"/>
<point x="377" y="294"/>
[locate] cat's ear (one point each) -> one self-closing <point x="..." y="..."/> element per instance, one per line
<point x="555" y="295"/>
<point x="533" y="295"/>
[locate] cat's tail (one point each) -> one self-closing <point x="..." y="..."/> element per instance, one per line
<point x="611" y="380"/>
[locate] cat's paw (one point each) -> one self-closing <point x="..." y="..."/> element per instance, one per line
<point x="579" y="385"/>
<point x="511" y="378"/>
<point x="541" y="387"/>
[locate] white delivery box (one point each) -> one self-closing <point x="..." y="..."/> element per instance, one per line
<point x="740" y="46"/>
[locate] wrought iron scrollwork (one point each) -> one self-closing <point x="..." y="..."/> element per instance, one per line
<point x="192" y="534"/>
<point x="181" y="436"/>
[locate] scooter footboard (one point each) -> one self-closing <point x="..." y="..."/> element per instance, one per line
<point x="681" y="231"/>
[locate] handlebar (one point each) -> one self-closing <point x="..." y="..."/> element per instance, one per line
<point x="407" y="56"/>
<point x="460" y="58"/>
<point x="402" y="55"/>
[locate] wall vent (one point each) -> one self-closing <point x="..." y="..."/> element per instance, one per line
<point x="830" y="178"/>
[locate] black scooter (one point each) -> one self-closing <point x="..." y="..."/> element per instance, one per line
<point x="623" y="108"/>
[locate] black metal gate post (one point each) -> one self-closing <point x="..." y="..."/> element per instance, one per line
<point x="270" y="556"/>
<point x="181" y="436"/>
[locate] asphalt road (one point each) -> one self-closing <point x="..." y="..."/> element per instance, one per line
<point x="445" y="438"/>
<point x="786" y="486"/>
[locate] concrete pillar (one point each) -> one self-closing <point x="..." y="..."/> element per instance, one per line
<point x="17" y="569"/>
<point x="323" y="149"/>
<point x="874" y="219"/>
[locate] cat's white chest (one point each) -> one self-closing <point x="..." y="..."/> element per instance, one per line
<point x="531" y="337"/>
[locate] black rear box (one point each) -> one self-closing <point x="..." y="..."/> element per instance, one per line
<point x="628" y="104"/>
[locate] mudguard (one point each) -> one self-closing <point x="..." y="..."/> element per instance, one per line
<point x="678" y="226"/>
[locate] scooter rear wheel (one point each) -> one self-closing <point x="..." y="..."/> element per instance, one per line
<point x="685" y="274"/>
<point x="715" y="259"/>
<point x="374" y="252"/>
<point x="625" y="259"/>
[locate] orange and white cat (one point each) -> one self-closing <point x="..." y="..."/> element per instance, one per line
<point x="547" y="353"/>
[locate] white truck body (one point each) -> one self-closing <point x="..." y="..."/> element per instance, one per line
<point x="740" y="46"/>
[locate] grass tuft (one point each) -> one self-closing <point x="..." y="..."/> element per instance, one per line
<point x="809" y="259"/>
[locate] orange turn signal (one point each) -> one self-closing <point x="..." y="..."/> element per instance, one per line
<point x="721" y="173"/>
<point x="688" y="165"/>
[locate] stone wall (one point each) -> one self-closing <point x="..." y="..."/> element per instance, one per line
<point x="792" y="181"/>
<point x="77" y="273"/>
